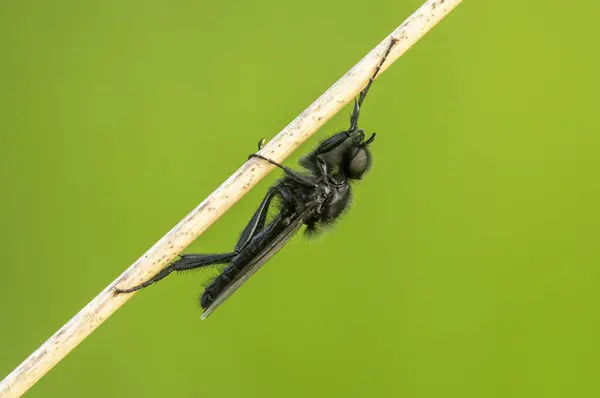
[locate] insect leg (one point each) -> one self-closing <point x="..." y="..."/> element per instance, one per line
<point x="257" y="222"/>
<point x="321" y="162"/>
<point x="306" y="181"/>
<point x="334" y="141"/>
<point x="186" y="262"/>
<point x="191" y="261"/>
<point x="363" y="93"/>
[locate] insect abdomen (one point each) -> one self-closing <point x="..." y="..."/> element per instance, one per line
<point x="239" y="263"/>
<point x="218" y="284"/>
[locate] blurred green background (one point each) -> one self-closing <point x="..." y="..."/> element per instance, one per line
<point x="468" y="266"/>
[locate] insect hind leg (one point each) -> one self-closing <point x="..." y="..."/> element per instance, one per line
<point x="186" y="262"/>
<point x="257" y="222"/>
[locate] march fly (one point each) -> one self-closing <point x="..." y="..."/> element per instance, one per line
<point x="315" y="199"/>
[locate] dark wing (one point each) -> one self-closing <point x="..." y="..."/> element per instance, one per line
<point x="262" y="257"/>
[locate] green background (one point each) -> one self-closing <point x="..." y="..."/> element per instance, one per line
<point x="468" y="266"/>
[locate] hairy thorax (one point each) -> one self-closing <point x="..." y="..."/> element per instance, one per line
<point x="336" y="201"/>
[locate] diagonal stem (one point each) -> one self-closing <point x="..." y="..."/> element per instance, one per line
<point x="213" y="207"/>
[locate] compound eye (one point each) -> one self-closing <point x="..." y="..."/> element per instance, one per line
<point x="358" y="162"/>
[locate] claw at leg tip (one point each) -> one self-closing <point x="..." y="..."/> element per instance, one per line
<point x="261" y="143"/>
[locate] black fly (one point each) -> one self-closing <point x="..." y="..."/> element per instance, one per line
<point x="313" y="199"/>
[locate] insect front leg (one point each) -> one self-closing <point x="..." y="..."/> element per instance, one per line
<point x="361" y="97"/>
<point x="336" y="140"/>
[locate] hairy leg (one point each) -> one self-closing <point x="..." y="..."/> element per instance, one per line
<point x="363" y="93"/>
<point x="186" y="262"/>
<point x="299" y="178"/>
